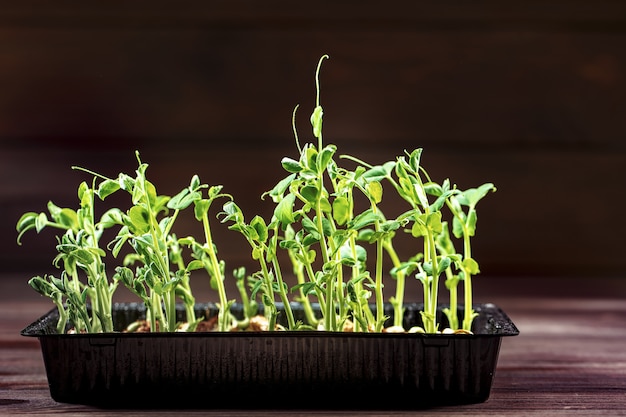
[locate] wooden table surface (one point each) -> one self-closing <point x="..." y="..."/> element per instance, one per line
<point x="569" y="359"/>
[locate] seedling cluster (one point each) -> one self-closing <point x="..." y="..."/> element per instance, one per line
<point x="337" y="251"/>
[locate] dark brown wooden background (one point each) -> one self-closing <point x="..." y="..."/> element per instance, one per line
<point x="530" y="96"/>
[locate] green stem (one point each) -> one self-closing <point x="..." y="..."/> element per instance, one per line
<point x="380" y="311"/>
<point x="189" y="302"/>
<point x="216" y="273"/>
<point x="245" y="301"/>
<point x="358" y="287"/>
<point x="320" y="295"/>
<point x="168" y="320"/>
<point x="156" y="315"/>
<point x="271" y="313"/>
<point x="398" y="304"/>
<point x="298" y="270"/>
<point x="170" y="306"/>
<point x="469" y="314"/>
<point x="184" y="287"/>
<point x="283" y="295"/>
<point x="452" y="313"/>
<point x="62" y="322"/>
<point x="434" y="286"/>
<point x="330" y="317"/>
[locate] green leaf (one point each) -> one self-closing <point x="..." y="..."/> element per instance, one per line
<point x="390" y="226"/>
<point x="471" y="266"/>
<point x="364" y="219"/>
<point x="68" y="218"/>
<point x="289" y="244"/>
<point x="195" y="265"/>
<point x="291" y="165"/>
<point x="151" y="192"/>
<point x="432" y="188"/>
<point x="471" y="196"/>
<point x="284" y="210"/>
<point x="348" y="261"/>
<point x="309" y="159"/>
<point x="195" y="183"/>
<point x="418" y="229"/>
<point x="267" y="301"/>
<point x="444" y="242"/>
<point x="316" y="121"/>
<point x="421" y="195"/>
<point x="444" y="263"/>
<point x="308" y="174"/>
<point x="214" y="191"/>
<point x="472" y="218"/>
<point x="279" y="189"/>
<point x="139" y="218"/>
<point x="82" y="256"/>
<point x="183" y="199"/>
<point x="112" y="217"/>
<point x="451" y="283"/>
<point x="82" y="189"/>
<point x="457" y="227"/>
<point x="341" y="210"/>
<point x="122" y="237"/>
<point x="233" y="213"/>
<point x="259" y="225"/>
<point x="414" y="159"/>
<point x="201" y="207"/>
<point x="379" y="172"/>
<point x="405" y="268"/>
<point x="307" y="288"/>
<point x="327" y="227"/>
<point x="310" y="226"/>
<point x="366" y="235"/>
<point x="171" y="284"/>
<point x="53" y="209"/>
<point x="25" y="223"/>
<point x="42" y="286"/>
<point x="428" y="268"/>
<point x="148" y="276"/>
<point x="59" y="283"/>
<point x="160" y="203"/>
<point x="127" y="183"/>
<point x="107" y="187"/>
<point x="310" y="193"/>
<point x="325" y="205"/>
<point x="407" y="190"/>
<point x="125" y="275"/>
<point x="40" y="222"/>
<point x="375" y="191"/>
<point x="433" y="221"/>
<point x="346" y="252"/>
<point x="311" y="239"/>
<point x="325" y="157"/>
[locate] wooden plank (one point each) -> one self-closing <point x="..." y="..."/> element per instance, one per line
<point x="567" y="361"/>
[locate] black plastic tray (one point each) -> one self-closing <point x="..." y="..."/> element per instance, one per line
<point x="272" y="369"/>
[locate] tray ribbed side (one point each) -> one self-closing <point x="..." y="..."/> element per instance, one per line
<point x="269" y="370"/>
<point x="272" y="369"/>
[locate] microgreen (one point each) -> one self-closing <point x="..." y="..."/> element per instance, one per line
<point x="79" y="253"/>
<point x="326" y="234"/>
<point x="161" y="275"/>
<point x="330" y="221"/>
